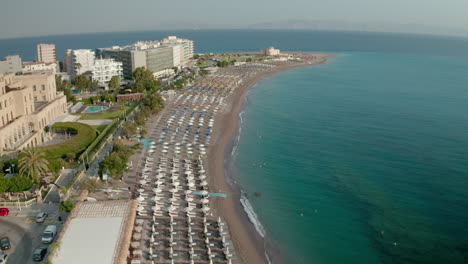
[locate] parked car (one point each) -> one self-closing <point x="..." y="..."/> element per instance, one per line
<point x="39" y="253"/>
<point x="49" y="234"/>
<point x="3" y="258"/>
<point x="41" y="217"/>
<point x="4" y="211"/>
<point x="5" y="243"/>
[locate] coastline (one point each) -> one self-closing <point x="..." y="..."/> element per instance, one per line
<point x="250" y="246"/>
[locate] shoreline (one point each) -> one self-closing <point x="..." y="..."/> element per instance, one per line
<point x="249" y="245"/>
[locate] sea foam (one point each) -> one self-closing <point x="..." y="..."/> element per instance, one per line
<point x="252" y="215"/>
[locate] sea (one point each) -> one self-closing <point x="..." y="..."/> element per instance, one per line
<point x="360" y="160"/>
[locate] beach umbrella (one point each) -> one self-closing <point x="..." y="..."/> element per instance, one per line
<point x="171" y="208"/>
<point x="204" y="192"/>
<point x="140" y="190"/>
<point x="176" y="184"/>
<point x="202" y="177"/>
<point x="157" y="190"/>
<point x="188" y="209"/>
<point x="188" y="192"/>
<point x="173" y="199"/>
<point x="204" y="183"/>
<point x="140" y="198"/>
<point x="173" y="190"/>
<point x="191" y="184"/>
<point x="204" y="200"/>
<point x="205" y="209"/>
<point x="140" y="208"/>
<point x="157" y="198"/>
<point x="156" y="208"/>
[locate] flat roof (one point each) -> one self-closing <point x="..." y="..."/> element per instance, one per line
<point x="94" y="233"/>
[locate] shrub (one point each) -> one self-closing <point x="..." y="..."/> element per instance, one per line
<point x="18" y="183"/>
<point x="67" y="206"/>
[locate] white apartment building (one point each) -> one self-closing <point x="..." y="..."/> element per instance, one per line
<point x="11" y="64"/>
<point x="46" y="53"/>
<point x="153" y="55"/>
<point x="82" y="60"/>
<point x="28" y="103"/>
<point x="186" y="47"/>
<point x="104" y="69"/>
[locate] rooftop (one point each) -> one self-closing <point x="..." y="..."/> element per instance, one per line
<point x="98" y="230"/>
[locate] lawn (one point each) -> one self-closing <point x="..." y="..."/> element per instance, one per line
<point x="85" y="135"/>
<point x="112" y="113"/>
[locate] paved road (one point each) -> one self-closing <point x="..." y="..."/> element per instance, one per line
<point x="21" y="242"/>
<point x="24" y="233"/>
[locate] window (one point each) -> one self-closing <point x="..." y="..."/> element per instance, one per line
<point x="1" y="105"/>
<point x="35" y="98"/>
<point x="34" y="88"/>
<point x="43" y="87"/>
<point x="43" y="98"/>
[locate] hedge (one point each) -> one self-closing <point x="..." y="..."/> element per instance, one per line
<point x="84" y="136"/>
<point x="18" y="183"/>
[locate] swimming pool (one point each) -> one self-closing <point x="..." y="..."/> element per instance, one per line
<point x="94" y="109"/>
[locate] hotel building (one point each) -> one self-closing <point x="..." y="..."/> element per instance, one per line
<point x="105" y="69"/>
<point x="46" y="53"/>
<point x="82" y="60"/>
<point x="153" y="55"/>
<point x="28" y="103"/>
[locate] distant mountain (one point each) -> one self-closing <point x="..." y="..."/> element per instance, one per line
<point x="371" y="26"/>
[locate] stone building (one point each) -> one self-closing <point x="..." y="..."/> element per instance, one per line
<point x="28" y="103"/>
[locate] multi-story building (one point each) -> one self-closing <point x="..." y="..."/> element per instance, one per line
<point x="32" y="66"/>
<point x="67" y="61"/>
<point x="28" y="103"/>
<point x="105" y="69"/>
<point x="11" y="64"/>
<point x="270" y="52"/>
<point x="186" y="46"/>
<point x="153" y="55"/>
<point x="46" y="53"/>
<point x="82" y="60"/>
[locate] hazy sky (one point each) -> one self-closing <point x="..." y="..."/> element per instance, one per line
<point x="46" y="17"/>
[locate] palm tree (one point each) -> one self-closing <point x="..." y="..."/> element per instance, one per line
<point x="33" y="164"/>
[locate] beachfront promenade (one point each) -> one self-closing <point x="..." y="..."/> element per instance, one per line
<point x="177" y="221"/>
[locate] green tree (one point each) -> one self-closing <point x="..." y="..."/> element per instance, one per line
<point x="154" y="102"/>
<point x="82" y="83"/>
<point x="94" y="85"/>
<point x="140" y="119"/>
<point x="114" y="83"/>
<point x="91" y="185"/>
<point x="114" y="164"/>
<point x="144" y="80"/>
<point x="248" y="60"/>
<point x="129" y="129"/>
<point x="33" y="164"/>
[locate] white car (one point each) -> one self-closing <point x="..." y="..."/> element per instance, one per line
<point x="3" y="258"/>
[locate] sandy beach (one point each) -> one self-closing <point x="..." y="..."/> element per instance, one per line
<point x="249" y="245"/>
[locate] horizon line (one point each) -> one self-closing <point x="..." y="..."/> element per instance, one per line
<point x="244" y="28"/>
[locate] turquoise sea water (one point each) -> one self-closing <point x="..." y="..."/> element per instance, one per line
<point x="372" y="149"/>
